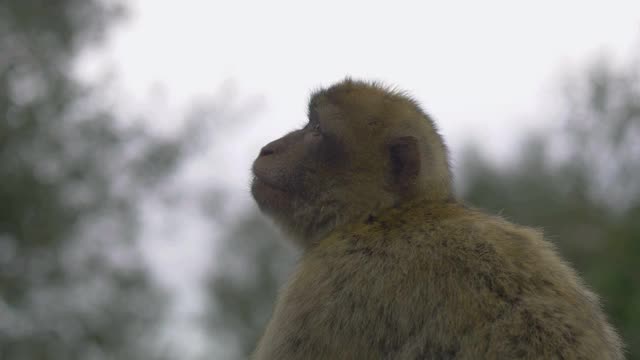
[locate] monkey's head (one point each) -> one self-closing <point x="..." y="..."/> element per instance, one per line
<point x="365" y="148"/>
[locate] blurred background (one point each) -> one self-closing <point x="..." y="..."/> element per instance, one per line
<point x="128" y="128"/>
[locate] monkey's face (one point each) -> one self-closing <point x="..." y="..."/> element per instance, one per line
<point x="342" y="166"/>
<point x="288" y="171"/>
<point x="302" y="179"/>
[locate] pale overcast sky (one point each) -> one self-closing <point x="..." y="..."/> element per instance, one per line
<point x="483" y="69"/>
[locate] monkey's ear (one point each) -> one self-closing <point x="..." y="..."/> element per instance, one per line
<point x="405" y="163"/>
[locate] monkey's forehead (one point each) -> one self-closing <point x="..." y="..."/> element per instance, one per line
<point x="353" y="94"/>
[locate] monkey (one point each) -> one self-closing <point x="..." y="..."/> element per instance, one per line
<point x="393" y="265"/>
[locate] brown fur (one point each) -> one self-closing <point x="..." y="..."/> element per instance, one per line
<point x="394" y="267"/>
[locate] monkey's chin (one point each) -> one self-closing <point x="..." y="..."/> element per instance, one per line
<point x="269" y="198"/>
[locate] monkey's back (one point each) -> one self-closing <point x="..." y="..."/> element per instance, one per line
<point x="437" y="282"/>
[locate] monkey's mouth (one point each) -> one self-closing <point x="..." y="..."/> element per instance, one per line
<point x="268" y="195"/>
<point x="262" y="182"/>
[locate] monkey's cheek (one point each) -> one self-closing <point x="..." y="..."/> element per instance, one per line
<point x="270" y="199"/>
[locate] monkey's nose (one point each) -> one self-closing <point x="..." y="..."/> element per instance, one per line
<point x="267" y="150"/>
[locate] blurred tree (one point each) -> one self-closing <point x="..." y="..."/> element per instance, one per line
<point x="581" y="185"/>
<point x="72" y="284"/>
<point x="253" y="263"/>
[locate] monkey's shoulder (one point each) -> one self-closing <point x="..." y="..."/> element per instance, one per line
<point x="423" y="277"/>
<point x="430" y="234"/>
<point x="478" y="255"/>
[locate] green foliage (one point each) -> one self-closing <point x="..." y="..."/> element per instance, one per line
<point x="72" y="285"/>
<point x="587" y="200"/>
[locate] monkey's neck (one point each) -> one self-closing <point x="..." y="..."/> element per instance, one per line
<point x="396" y="216"/>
